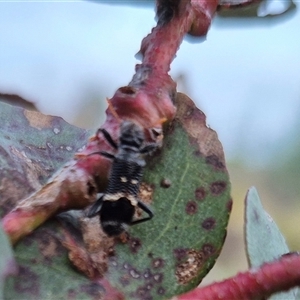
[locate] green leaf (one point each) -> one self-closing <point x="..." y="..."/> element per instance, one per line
<point x="45" y="271"/>
<point x="163" y="257"/>
<point x="264" y="241"/>
<point x="7" y="261"/>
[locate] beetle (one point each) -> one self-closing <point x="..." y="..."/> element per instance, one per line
<point x="116" y="206"/>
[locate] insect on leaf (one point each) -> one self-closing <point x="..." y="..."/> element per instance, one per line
<point x="187" y="186"/>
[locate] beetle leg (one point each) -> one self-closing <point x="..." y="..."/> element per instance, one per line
<point x="146" y="209"/>
<point x="148" y="148"/>
<point x="103" y="153"/>
<point x="108" y="138"/>
<point x="96" y="207"/>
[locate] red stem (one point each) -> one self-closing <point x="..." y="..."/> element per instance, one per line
<point x="257" y="283"/>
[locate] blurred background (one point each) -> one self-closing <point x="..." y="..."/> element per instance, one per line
<point x="67" y="57"/>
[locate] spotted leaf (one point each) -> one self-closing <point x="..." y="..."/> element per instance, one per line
<point x="186" y="183"/>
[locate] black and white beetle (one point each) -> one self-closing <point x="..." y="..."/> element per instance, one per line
<point x="116" y="207"/>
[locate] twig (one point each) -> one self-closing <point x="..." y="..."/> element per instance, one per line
<point x="257" y="283"/>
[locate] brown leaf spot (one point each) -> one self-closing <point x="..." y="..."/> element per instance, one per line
<point x="194" y="122"/>
<point x="161" y="291"/>
<point x="12" y="190"/>
<point x="125" y="280"/>
<point x="218" y="187"/>
<point x="149" y="286"/>
<point x="209" y="223"/>
<point x="27" y="282"/>
<point x="124" y="237"/>
<point x="191" y="208"/>
<point x="200" y="194"/>
<point x="215" y="162"/>
<point x="165" y="183"/>
<point x="180" y="253"/>
<point x="158" y="277"/>
<point x="146" y="196"/>
<point x="229" y="205"/>
<point x="190" y="268"/>
<point x="38" y="120"/>
<point x="142" y="293"/>
<point x="135" y="244"/>
<point x="147" y="274"/>
<point x="158" y="263"/>
<point x="92" y="289"/>
<point x="127" y="266"/>
<point x="48" y="246"/>
<point x="208" y="250"/>
<point x="146" y="193"/>
<point x="134" y="273"/>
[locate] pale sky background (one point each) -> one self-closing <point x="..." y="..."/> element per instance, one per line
<point x="68" y="56"/>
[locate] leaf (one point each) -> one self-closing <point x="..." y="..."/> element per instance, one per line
<point x="264" y="241"/>
<point x="7" y="261"/>
<point x="189" y="190"/>
<point x="32" y="147"/>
